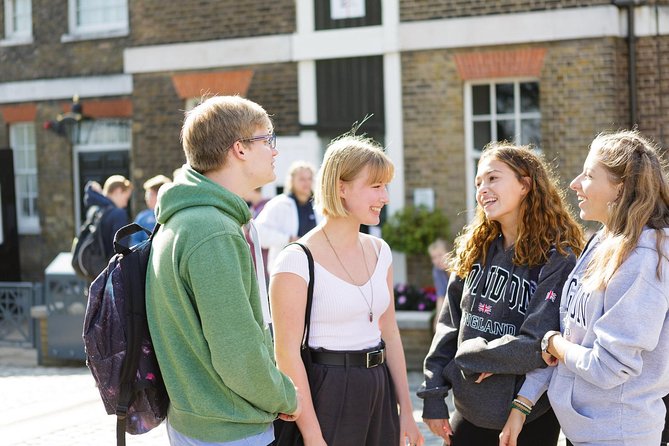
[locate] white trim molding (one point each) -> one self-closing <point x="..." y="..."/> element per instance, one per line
<point x="540" y="26"/>
<point x="200" y="55"/>
<point x="393" y="36"/>
<point x="65" y="88"/>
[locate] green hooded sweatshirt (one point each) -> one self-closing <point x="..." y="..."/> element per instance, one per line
<point x="205" y="317"/>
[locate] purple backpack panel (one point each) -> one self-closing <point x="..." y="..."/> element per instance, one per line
<point x="119" y="351"/>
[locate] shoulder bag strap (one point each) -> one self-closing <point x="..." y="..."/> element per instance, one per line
<point x="310" y="296"/>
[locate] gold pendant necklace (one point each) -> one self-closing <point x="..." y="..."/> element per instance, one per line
<point x="371" y="286"/>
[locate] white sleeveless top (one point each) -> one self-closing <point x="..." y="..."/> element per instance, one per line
<point x="339" y="314"/>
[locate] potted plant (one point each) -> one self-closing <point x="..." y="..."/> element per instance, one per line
<point x="411" y="230"/>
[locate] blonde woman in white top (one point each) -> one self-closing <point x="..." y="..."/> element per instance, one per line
<point x="358" y="378"/>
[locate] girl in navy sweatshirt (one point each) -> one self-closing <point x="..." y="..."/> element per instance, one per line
<point x="612" y="354"/>
<point x="509" y="265"/>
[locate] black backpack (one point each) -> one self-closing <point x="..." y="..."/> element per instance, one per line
<point x="119" y="351"/>
<point x="88" y="249"/>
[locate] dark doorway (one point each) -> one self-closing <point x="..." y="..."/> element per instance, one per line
<point x="9" y="238"/>
<point x="98" y="166"/>
<point x="350" y="90"/>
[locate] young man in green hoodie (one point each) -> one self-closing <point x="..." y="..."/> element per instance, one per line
<point x="208" y="321"/>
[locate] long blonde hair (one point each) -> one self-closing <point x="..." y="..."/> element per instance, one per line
<point x="544" y="220"/>
<point x="634" y="162"/>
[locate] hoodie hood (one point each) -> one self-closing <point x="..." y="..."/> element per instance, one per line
<point x="192" y="189"/>
<point x="648" y="238"/>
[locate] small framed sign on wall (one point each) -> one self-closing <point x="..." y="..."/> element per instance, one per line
<point x="347" y="9"/>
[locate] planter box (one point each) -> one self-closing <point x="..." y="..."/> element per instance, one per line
<point x="416" y="332"/>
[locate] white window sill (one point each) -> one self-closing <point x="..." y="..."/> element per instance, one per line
<point x="29" y="231"/>
<point x="16" y="41"/>
<point x="94" y="35"/>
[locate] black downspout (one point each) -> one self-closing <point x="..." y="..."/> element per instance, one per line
<point x="631" y="55"/>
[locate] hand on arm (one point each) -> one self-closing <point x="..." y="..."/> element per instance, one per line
<point x="440" y="427"/>
<point x="557" y="349"/>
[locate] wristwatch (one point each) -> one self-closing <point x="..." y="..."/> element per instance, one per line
<point x="546" y="338"/>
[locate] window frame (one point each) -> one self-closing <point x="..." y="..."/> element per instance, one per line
<point x="26" y="223"/>
<point x="105" y="29"/>
<point x="472" y="154"/>
<point x="101" y="135"/>
<point x="11" y="34"/>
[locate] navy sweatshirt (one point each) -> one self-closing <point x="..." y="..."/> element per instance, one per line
<point x="493" y="321"/>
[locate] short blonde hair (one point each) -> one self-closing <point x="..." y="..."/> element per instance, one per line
<point x="116" y="182"/>
<point x="154" y="183"/>
<point x="294" y="168"/>
<point x="212" y="127"/>
<point x="344" y="159"/>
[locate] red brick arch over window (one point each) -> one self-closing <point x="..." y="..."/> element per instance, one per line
<point x="19" y="113"/>
<point x="495" y="64"/>
<point x="103" y="108"/>
<point x="195" y="85"/>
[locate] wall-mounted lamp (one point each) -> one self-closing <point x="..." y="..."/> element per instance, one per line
<point x="68" y="124"/>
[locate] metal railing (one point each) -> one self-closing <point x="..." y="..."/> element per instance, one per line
<point x="17" y="328"/>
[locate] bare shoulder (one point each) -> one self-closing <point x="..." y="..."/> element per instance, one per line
<point x="372" y="240"/>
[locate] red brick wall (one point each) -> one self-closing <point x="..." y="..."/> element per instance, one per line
<point x="158" y="21"/>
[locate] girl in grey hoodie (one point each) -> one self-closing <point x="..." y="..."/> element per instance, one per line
<point x="612" y="354"/>
<point x="509" y="266"/>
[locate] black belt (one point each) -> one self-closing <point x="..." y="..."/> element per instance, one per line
<point x="357" y="359"/>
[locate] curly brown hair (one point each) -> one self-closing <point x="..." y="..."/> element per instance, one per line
<point x="545" y="220"/>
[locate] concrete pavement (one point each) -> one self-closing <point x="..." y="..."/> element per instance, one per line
<point x="60" y="406"/>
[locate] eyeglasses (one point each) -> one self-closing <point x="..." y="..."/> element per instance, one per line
<point x="270" y="139"/>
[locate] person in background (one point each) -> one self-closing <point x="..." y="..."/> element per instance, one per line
<point x="509" y="264"/>
<point x="438" y="251"/>
<point x="147" y="217"/>
<point x="612" y="351"/>
<point x="358" y="375"/>
<point x="208" y="316"/>
<point x="113" y="199"/>
<point x="256" y="203"/>
<point x="289" y="216"/>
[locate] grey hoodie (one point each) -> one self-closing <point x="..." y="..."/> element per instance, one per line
<point x="609" y="389"/>
<point x="491" y="323"/>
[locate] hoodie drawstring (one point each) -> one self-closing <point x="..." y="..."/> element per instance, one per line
<point x="260" y="271"/>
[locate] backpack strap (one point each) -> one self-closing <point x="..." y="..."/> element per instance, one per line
<point x="135" y="312"/>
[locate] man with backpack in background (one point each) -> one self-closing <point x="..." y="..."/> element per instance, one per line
<point x="105" y="214"/>
<point x="207" y="314"/>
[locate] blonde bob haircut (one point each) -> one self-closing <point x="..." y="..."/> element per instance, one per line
<point x="212" y="127"/>
<point x="345" y="158"/>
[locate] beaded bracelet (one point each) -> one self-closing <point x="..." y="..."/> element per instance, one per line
<point x="525" y="405"/>
<point x="521" y="407"/>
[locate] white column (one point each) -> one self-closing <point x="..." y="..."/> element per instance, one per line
<point x="392" y="90"/>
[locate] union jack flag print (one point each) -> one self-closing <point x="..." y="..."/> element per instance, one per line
<point x="551" y="295"/>
<point x="483" y="308"/>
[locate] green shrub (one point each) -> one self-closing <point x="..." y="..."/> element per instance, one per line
<point x="411" y="230"/>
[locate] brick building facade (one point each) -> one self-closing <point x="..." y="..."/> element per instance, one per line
<point x="440" y="76"/>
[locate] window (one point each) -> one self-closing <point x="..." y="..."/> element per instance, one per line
<point x="103" y="150"/>
<point x="505" y="110"/>
<point x="98" y="16"/>
<point x="22" y="141"/>
<point x="18" y="20"/>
